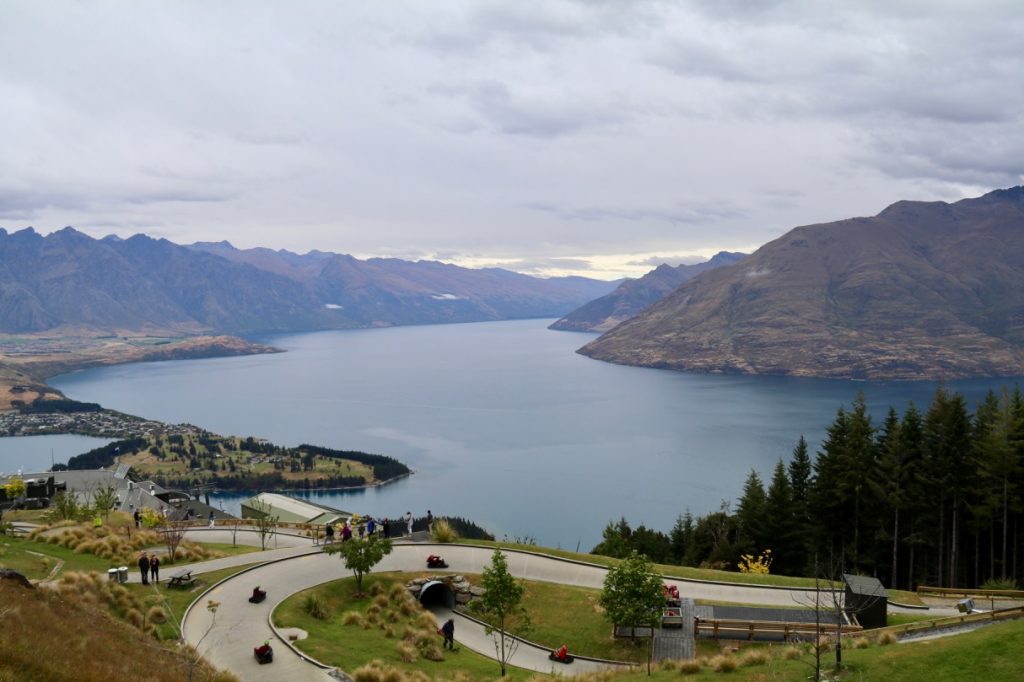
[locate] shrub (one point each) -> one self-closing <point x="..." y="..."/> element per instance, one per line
<point x="156" y="615"/>
<point x="377" y="589"/>
<point x="861" y="643"/>
<point x="352" y="618"/>
<point x="723" y="664"/>
<point x="691" y="666"/>
<point x="427" y="621"/>
<point x="315" y="606"/>
<point x="887" y="638"/>
<point x="442" y="531"/>
<point x="1000" y="584"/>
<point x="432" y="652"/>
<point x="407" y="651"/>
<point x="380" y="600"/>
<point x="792" y="653"/>
<point x="754" y="657"/>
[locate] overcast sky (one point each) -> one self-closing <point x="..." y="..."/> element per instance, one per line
<point x="556" y="136"/>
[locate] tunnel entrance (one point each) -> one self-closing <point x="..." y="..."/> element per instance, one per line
<point x="437" y="593"/>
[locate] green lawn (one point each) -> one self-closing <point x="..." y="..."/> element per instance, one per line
<point x="23" y="556"/>
<point x="352" y="646"/>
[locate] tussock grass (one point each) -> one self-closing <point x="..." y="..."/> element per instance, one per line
<point x="754" y="657"/>
<point x="723" y="664"/>
<point x="65" y="639"/>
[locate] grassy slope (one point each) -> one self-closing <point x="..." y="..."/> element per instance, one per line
<point x="47" y="638"/>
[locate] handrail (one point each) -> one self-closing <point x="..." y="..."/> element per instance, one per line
<point x="970" y="592"/>
<point x="718" y="627"/>
<point x="951" y="621"/>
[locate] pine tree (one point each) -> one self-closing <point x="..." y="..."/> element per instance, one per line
<point x="831" y="514"/>
<point x="801" y="483"/>
<point x="780" y="524"/>
<point x="750" y="515"/>
<point x="682" y="536"/>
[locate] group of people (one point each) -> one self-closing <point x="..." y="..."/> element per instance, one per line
<point x="149" y="567"/>
<point x="367" y="526"/>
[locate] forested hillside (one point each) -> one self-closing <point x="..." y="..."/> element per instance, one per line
<point x="933" y="497"/>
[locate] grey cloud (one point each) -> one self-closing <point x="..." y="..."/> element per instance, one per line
<point x="655" y="261"/>
<point x="17" y="204"/>
<point x="692" y="213"/>
<point x="544" y="265"/>
<point x="177" y="197"/>
<point x="519" y="115"/>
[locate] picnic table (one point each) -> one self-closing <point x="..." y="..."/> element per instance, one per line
<point x="182" y="578"/>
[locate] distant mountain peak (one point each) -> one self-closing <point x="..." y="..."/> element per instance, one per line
<point x="923" y="290"/>
<point x="634" y="295"/>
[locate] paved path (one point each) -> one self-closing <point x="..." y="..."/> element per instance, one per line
<point x="239" y="626"/>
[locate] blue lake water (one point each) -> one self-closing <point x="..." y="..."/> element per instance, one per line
<point x="35" y="453"/>
<point x="502" y="421"/>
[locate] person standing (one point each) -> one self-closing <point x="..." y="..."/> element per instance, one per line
<point x="329" y="534"/>
<point x="138" y="519"/>
<point x="448" y="631"/>
<point x="430" y="521"/>
<point x="346" y="532"/>
<point x="154" y="568"/>
<point x="386" y="527"/>
<point x="212" y="522"/>
<point x="371" y="525"/>
<point x="144" y="568"/>
<point x="408" y="523"/>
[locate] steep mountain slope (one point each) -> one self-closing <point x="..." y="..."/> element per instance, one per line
<point x="922" y="290"/>
<point x="634" y="295"/>
<point x="70" y="280"/>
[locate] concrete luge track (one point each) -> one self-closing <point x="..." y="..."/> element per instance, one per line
<point x="239" y="626"/>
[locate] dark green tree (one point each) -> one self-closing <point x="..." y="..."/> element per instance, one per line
<point x="780" y="524"/>
<point x="750" y="515"/>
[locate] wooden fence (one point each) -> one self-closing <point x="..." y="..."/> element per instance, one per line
<point x="747" y="629"/>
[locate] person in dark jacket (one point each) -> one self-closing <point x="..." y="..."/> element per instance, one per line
<point x="154" y="568"/>
<point x="144" y="568"/>
<point x="448" y="630"/>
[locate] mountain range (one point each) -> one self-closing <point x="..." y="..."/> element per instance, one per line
<point x="923" y="290"/>
<point x="68" y="279"/>
<point x="633" y="295"/>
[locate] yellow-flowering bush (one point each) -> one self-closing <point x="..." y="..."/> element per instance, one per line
<point x="761" y="564"/>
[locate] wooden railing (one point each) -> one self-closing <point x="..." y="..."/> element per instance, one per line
<point x="746" y="629"/>
<point x="968" y="592"/>
<point x="951" y="621"/>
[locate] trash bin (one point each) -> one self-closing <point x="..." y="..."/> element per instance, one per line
<point x="112" y="575"/>
<point x="122" y="574"/>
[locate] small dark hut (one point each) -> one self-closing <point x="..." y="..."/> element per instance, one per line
<point x="866" y="600"/>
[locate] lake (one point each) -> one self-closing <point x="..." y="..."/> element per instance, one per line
<point x="32" y="454"/>
<point x="503" y="423"/>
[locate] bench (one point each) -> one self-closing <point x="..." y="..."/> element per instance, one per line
<point x="182" y="578"/>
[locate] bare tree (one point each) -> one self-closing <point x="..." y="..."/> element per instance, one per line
<point x="174" y="533"/>
<point x="266" y="523"/>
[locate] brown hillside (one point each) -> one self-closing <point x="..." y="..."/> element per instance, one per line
<point x="50" y="638"/>
<point x="920" y="291"/>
